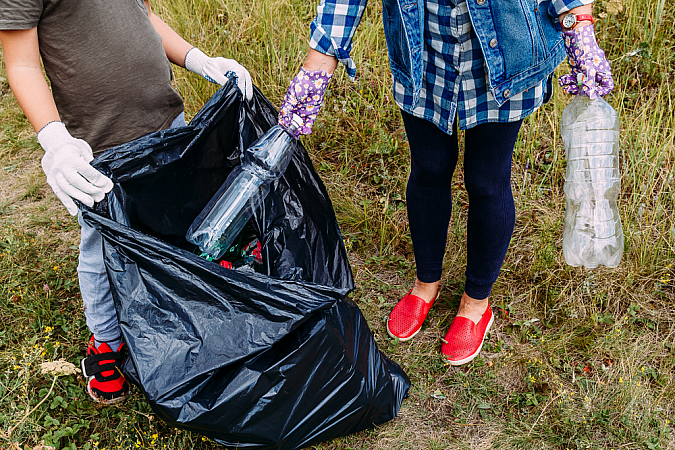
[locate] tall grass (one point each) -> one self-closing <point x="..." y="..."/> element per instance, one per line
<point x="577" y="358"/>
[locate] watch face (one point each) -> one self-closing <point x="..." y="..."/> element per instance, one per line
<point x="569" y="20"/>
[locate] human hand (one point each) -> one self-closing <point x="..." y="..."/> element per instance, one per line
<point x="589" y="65"/>
<point x="216" y="70"/>
<point x="66" y="164"/>
<point x="303" y="99"/>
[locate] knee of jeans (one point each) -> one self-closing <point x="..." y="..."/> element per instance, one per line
<point x="91" y="250"/>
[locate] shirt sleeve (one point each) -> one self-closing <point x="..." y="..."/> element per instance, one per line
<point x="333" y="28"/>
<point x="558" y="7"/>
<point x="20" y="14"/>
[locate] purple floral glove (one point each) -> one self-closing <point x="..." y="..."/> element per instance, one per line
<point x="303" y="98"/>
<point x="589" y="65"/>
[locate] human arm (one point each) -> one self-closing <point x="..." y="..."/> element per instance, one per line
<point x="66" y="159"/>
<point x="330" y="42"/>
<point x="174" y="45"/>
<point x="183" y="54"/>
<point x="25" y="76"/>
<point x="315" y="60"/>
<point x="590" y="72"/>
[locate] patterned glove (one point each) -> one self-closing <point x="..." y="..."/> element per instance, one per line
<point x="589" y="65"/>
<point x="303" y="98"/>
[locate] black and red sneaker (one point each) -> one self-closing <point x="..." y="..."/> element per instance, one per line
<point x="101" y="368"/>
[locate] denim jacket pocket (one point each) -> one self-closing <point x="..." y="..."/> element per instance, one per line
<point x="517" y="33"/>
<point x="549" y="28"/>
<point x="403" y="30"/>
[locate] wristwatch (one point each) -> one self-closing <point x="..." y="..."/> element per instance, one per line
<point x="571" y="19"/>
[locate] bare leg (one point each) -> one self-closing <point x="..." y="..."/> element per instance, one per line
<point x="472" y="308"/>
<point x="426" y="291"/>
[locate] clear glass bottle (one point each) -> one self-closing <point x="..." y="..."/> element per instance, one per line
<point x="243" y="192"/>
<point x="593" y="234"/>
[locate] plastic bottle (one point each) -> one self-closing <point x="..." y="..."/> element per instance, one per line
<point x="592" y="234"/>
<point x="243" y="192"/>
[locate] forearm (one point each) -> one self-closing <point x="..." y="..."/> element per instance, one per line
<point x="316" y="60"/>
<point x="174" y="45"/>
<point x="33" y="95"/>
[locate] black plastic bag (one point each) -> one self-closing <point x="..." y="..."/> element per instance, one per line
<point x="278" y="360"/>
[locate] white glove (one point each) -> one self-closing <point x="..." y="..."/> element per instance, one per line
<point x="66" y="164"/>
<point x="215" y="70"/>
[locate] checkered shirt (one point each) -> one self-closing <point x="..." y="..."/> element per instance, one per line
<point x="455" y="77"/>
<point x="454" y="73"/>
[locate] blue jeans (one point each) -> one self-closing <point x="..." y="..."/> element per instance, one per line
<point x="99" y="308"/>
<point x="488" y="151"/>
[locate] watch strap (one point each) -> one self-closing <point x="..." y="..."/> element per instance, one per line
<point x="576" y="19"/>
<point x="583" y="17"/>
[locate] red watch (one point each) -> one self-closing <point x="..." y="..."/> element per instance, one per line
<point x="570" y="20"/>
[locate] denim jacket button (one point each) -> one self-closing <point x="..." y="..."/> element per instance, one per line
<point x="480" y="2"/>
<point x="493" y="43"/>
<point x="507" y="93"/>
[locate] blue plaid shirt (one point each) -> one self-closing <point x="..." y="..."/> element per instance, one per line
<point x="455" y="81"/>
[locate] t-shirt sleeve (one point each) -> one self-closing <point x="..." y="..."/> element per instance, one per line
<point x="20" y="14"/>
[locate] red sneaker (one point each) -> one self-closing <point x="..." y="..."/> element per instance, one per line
<point x="105" y="382"/>
<point x="407" y="317"/>
<point x="464" y="339"/>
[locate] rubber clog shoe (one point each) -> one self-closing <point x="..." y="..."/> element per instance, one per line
<point x="407" y="317"/>
<point x="464" y="339"/>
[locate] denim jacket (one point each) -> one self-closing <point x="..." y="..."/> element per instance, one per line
<point x="520" y="39"/>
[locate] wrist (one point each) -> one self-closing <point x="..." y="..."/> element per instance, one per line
<point x="316" y="60"/>
<point x="52" y="135"/>
<point x="195" y="60"/>
<point x="577" y="17"/>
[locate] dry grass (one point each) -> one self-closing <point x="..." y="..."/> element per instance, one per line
<point x="577" y="359"/>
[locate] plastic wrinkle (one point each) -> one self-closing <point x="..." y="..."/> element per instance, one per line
<point x="274" y="360"/>
<point x="592" y="234"/>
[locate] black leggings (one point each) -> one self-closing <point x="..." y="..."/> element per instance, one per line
<point x="487" y="178"/>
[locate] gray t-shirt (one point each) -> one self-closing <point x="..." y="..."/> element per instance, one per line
<point x="110" y="76"/>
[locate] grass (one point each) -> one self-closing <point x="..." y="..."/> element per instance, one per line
<point x="577" y="359"/>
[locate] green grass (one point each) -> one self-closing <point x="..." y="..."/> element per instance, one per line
<point x="577" y="359"/>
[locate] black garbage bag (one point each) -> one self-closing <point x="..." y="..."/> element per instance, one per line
<point x="274" y="360"/>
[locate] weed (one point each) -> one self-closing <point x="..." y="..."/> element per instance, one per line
<point x="577" y="359"/>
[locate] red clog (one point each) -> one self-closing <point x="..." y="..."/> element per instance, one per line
<point x="464" y="339"/>
<point x="407" y="317"/>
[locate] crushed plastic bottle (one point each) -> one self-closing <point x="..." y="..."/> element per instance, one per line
<point x="243" y="192"/>
<point x="592" y="234"/>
